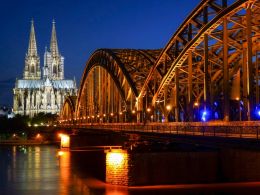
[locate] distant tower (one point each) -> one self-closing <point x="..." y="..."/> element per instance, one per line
<point x="32" y="68"/>
<point x="53" y="61"/>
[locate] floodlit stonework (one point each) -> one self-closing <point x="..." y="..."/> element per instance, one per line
<point x="42" y="91"/>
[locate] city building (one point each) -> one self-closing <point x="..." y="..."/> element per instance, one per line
<point x="42" y="89"/>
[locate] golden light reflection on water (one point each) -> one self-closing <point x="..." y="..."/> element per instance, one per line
<point x="117" y="167"/>
<point x="115" y="190"/>
<point x="37" y="157"/>
<point x="64" y="164"/>
<point x="14" y="156"/>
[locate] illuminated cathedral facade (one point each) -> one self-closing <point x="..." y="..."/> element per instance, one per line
<point x="42" y="89"/>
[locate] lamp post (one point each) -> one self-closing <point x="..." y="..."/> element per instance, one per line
<point x="133" y="116"/>
<point x="196" y="112"/>
<point x="239" y="109"/>
<point x="148" y="110"/>
<point x="168" y="110"/>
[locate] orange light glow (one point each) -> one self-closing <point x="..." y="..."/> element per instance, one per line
<point x="115" y="158"/>
<point x="168" y="107"/>
<point x="38" y="136"/>
<point x="196" y="104"/>
<point x="65" y="141"/>
<point x="65" y="173"/>
<point x="117" y="167"/>
<point x="60" y="153"/>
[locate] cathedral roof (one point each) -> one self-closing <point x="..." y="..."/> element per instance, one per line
<point x="37" y="84"/>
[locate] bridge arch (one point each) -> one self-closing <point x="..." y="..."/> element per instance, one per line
<point x="200" y="63"/>
<point x="211" y="63"/>
<point x="111" y="83"/>
<point x="68" y="109"/>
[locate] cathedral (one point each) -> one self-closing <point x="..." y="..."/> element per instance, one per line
<point x="42" y="89"/>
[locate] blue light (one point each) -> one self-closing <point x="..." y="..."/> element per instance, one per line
<point x="257" y="111"/>
<point x="203" y="117"/>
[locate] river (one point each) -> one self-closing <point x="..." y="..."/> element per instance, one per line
<point x="33" y="170"/>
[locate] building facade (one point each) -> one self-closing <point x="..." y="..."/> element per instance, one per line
<point x="42" y="89"/>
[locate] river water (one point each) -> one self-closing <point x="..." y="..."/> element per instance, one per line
<point x="33" y="170"/>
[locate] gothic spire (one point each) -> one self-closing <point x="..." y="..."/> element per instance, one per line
<point x="54" y="44"/>
<point x="32" y="49"/>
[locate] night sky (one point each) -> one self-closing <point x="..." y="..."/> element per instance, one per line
<point x="82" y="27"/>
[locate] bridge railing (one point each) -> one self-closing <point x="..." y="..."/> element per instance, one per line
<point x="234" y="129"/>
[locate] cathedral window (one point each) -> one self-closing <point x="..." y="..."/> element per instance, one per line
<point x="49" y="99"/>
<point x="34" y="99"/>
<point x="19" y="101"/>
<point x="54" y="69"/>
<point x="32" y="69"/>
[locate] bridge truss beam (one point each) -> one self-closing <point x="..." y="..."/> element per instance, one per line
<point x="211" y="64"/>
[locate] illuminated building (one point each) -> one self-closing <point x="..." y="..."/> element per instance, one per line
<point x="42" y="91"/>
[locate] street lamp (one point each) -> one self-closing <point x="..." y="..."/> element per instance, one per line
<point x="168" y="107"/>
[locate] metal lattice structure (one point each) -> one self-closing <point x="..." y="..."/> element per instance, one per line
<point x="112" y="81"/>
<point x="210" y="63"/>
<point x="68" y="108"/>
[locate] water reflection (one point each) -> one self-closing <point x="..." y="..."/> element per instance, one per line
<point x="37" y="170"/>
<point x="40" y="170"/>
<point x="64" y="166"/>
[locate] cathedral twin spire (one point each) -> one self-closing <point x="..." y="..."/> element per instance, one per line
<point x="54" y="44"/>
<point x="32" y="60"/>
<point x="32" y="49"/>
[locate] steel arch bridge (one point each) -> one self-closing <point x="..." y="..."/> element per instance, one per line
<point x="209" y="70"/>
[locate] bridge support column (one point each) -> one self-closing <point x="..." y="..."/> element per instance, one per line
<point x="248" y="99"/>
<point x="165" y="110"/>
<point x="257" y="78"/>
<point x="206" y="74"/>
<point x="177" y="95"/>
<point x="139" y="109"/>
<point x="190" y="101"/>
<point x="225" y="71"/>
<point x="249" y="62"/>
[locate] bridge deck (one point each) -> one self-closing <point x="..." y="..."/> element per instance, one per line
<point x="237" y="129"/>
